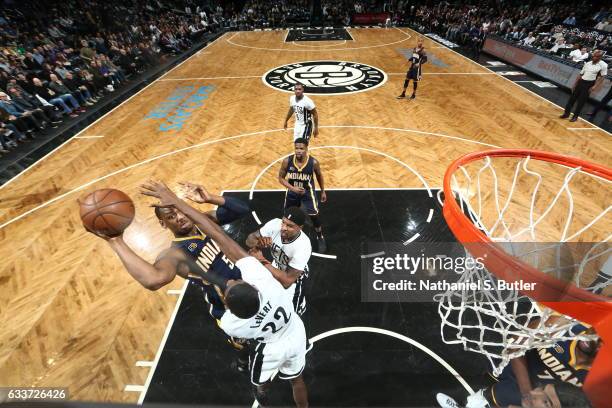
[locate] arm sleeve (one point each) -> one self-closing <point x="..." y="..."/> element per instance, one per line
<point x="270" y="228"/>
<point x="604" y="70"/>
<point x="232" y="210"/>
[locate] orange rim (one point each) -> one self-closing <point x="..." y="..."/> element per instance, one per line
<point x="570" y="300"/>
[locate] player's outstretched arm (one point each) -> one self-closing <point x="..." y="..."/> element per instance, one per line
<point x="152" y="277"/>
<point x="285" y="278"/>
<point x="168" y="199"/>
<point x="521" y="372"/>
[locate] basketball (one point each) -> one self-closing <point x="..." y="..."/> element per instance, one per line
<point x="107" y="211"/>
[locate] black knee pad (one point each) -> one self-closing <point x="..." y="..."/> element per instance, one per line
<point x="406" y="83"/>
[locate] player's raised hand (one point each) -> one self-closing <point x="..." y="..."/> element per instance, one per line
<point x="100" y="234"/>
<point x="195" y="192"/>
<point x="160" y="191"/>
<point x="264" y="242"/>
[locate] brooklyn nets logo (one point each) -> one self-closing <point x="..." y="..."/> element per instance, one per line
<point x="325" y="77"/>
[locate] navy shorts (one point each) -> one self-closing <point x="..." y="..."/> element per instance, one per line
<point x="308" y="201"/>
<point x="412" y="74"/>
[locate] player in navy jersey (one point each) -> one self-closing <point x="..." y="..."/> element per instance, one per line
<point x="529" y="377"/>
<point x="567" y="361"/>
<point x="418" y="58"/>
<point x="192" y="243"/>
<point x="297" y="175"/>
<point x="258" y="307"/>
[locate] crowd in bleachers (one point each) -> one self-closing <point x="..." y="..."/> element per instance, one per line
<point x="552" y="27"/>
<point x="258" y="14"/>
<point x="58" y="58"/>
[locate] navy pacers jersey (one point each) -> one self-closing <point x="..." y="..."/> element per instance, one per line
<point x="558" y="363"/>
<point x="545" y="365"/>
<point x="207" y="254"/>
<point x="301" y="176"/>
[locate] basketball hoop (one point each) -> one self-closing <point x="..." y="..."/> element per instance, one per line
<point x="520" y="213"/>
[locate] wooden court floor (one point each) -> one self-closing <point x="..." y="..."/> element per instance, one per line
<point x="70" y="315"/>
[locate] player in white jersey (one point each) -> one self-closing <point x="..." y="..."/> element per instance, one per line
<point x="306" y="116"/>
<point x="291" y="250"/>
<point x="258" y="306"/>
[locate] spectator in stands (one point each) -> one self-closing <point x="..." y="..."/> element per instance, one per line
<point x="32" y="63"/>
<point x="46" y="113"/>
<point x="558" y="46"/>
<point x="148" y="56"/>
<point x="104" y="70"/>
<point x="579" y="54"/>
<point x="24" y="120"/>
<point x="601" y="15"/>
<point x="91" y="82"/>
<point x="529" y="40"/>
<point x="57" y="100"/>
<point x="570" y="20"/>
<point x="78" y="88"/>
<point x="61" y="89"/>
<point x="61" y="70"/>
<point x="101" y="77"/>
<point x="55" y="32"/>
<point x="87" y="53"/>
<point x="505" y="25"/>
<point x="114" y="71"/>
<point x="127" y="63"/>
<point x="605" y="25"/>
<point x="24" y="83"/>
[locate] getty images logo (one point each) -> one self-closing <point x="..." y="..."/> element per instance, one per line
<point x="325" y="77"/>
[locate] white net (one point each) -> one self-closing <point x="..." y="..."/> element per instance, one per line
<point x="550" y="216"/>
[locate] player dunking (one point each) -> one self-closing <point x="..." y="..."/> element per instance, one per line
<point x="418" y="58"/>
<point x="297" y="176"/>
<point x="189" y="242"/>
<point x="306" y="115"/>
<point x="257" y="306"/>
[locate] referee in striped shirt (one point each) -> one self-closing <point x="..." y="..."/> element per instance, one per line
<point x="591" y="75"/>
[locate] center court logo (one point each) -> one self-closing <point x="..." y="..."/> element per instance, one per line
<point x="325" y="77"/>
